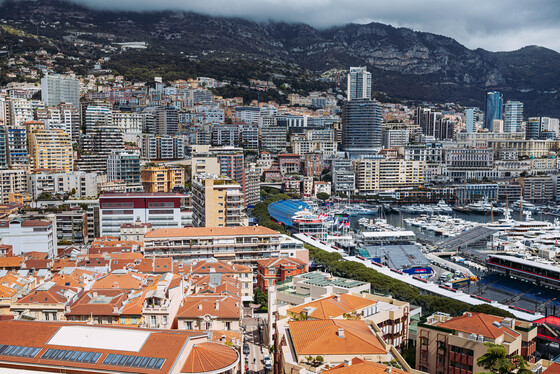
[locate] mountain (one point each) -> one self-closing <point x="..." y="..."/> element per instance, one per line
<point x="405" y="64"/>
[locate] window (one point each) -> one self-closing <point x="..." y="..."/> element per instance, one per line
<point x="188" y="325"/>
<point x="122" y="320"/>
<point x="152" y="320"/>
<point x="134" y="321"/>
<point x="228" y="326"/>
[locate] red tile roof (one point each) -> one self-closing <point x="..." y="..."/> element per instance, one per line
<point x="98" y="303"/>
<point x="321" y="337"/>
<point x="165" y="344"/>
<point x="226" y="307"/>
<point x="478" y="323"/>
<point x="52" y="295"/>
<point x="359" y="366"/>
<point x="35" y="223"/>
<point x="552" y="369"/>
<point x="207" y="357"/>
<point x="11" y="262"/>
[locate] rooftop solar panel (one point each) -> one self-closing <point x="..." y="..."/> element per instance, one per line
<point x="18" y="351"/>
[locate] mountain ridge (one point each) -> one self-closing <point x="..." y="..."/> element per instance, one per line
<point x="406" y="64"/>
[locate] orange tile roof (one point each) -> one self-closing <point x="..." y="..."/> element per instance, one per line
<point x="207" y="357"/>
<point x="320" y="337"/>
<point x="11" y="262"/>
<point x="204" y="267"/>
<point x="228" y="307"/>
<point x="552" y="369"/>
<point x="127" y="281"/>
<point x="7" y="292"/>
<point x="66" y="280"/>
<point x="52" y="295"/>
<point x="134" y="304"/>
<point x="209" y="231"/>
<point x="333" y="306"/>
<point x="37" y="255"/>
<point x="478" y="323"/>
<point x="165" y="344"/>
<point x="98" y="303"/>
<point x="359" y="366"/>
<point x="280" y="261"/>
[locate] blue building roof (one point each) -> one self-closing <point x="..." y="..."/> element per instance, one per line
<point x="283" y="210"/>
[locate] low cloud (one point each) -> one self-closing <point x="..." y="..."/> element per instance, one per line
<point x="495" y="25"/>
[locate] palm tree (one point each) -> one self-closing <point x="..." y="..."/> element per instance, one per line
<point x="497" y="361"/>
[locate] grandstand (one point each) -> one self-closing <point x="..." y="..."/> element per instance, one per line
<point x="477" y="236"/>
<point x="531" y="271"/>
<point x="518" y="293"/>
<point x="404" y="257"/>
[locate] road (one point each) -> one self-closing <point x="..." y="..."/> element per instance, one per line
<point x="255" y="361"/>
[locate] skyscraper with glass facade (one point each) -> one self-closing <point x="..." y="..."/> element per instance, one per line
<point x="469" y="120"/>
<point x="513" y="116"/>
<point x="361" y="125"/>
<point x="493" y="110"/>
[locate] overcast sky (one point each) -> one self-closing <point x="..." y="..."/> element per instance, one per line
<point x="496" y="25"/>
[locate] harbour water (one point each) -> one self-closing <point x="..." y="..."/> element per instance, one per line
<point x="397" y="220"/>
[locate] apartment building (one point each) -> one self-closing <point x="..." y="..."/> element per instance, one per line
<point x="124" y="166"/>
<point x="29" y="236"/>
<point x="243" y="274"/>
<point x="217" y="202"/>
<point x="163" y="147"/>
<point x="159" y="209"/>
<point x="316" y="140"/>
<point x="454" y="344"/>
<point x="240" y="245"/>
<point x="162" y="179"/>
<point x="271" y="271"/>
<point x="64" y="347"/>
<point x="377" y="175"/>
<point x="289" y="163"/>
<point x="12" y="181"/>
<point x="50" y="150"/>
<point x="78" y="183"/>
<point x="389" y="315"/>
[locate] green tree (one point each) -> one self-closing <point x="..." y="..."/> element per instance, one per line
<point x="323" y="196"/>
<point x="497" y="361"/>
<point x="261" y="298"/>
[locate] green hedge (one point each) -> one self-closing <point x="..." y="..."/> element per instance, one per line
<point x="383" y="284"/>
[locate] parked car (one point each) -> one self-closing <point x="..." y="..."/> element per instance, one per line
<point x="246" y="349"/>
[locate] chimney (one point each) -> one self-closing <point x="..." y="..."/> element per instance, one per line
<point x="388" y="370"/>
<point x="509" y="322"/>
<point x="469" y="314"/>
<point x="347" y="362"/>
<point x="199" y="306"/>
<point x="217" y="305"/>
<point x="340" y="333"/>
<point x="337" y="298"/>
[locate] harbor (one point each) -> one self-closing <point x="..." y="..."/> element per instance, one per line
<point x="457" y="252"/>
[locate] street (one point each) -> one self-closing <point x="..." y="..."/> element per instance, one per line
<point x="255" y="360"/>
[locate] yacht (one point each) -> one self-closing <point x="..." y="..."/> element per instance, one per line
<point x="525" y="205"/>
<point x="443" y="207"/>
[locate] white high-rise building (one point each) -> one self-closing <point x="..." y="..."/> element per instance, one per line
<point x="56" y="89"/>
<point x="469" y="120"/>
<point x="513" y="116"/>
<point x="131" y="125"/>
<point x="359" y="83"/>
<point x="98" y="115"/>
